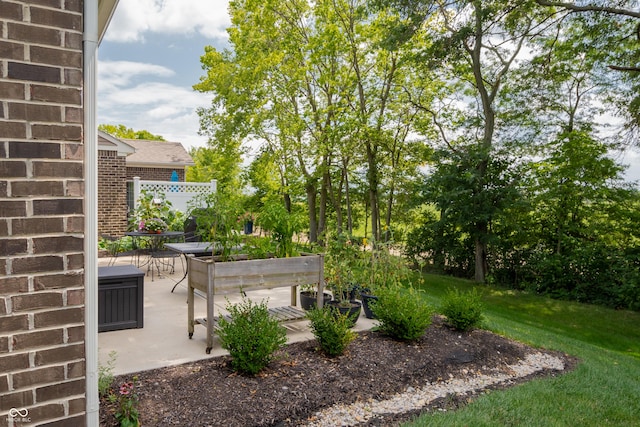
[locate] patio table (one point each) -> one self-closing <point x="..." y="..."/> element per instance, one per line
<point x="191" y="249"/>
<point x="157" y="242"/>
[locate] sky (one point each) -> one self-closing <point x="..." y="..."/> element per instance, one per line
<point x="149" y="60"/>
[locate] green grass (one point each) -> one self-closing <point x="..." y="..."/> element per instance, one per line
<point x="604" y="389"/>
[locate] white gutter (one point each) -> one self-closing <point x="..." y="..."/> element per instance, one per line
<point x="90" y="55"/>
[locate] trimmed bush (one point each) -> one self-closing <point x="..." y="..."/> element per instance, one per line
<point x="463" y="310"/>
<point x="331" y="329"/>
<point x="251" y="335"/>
<point x="402" y="313"/>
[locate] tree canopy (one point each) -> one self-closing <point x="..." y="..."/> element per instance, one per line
<point x="478" y="133"/>
<point x="121" y="131"/>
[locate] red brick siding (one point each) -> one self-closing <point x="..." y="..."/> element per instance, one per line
<point x="154" y="174"/>
<point x="112" y="193"/>
<point x="42" y="349"/>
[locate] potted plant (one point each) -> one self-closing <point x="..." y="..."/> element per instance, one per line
<point x="342" y="259"/>
<point x="381" y="267"/>
<point x="247" y="220"/>
<point x="154" y="213"/>
<point x="309" y="297"/>
<point x="152" y="225"/>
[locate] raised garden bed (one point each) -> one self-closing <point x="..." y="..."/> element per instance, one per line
<point x="214" y="277"/>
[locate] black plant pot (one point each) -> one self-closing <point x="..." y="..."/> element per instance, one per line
<point x="353" y="309"/>
<point x="248" y="227"/>
<point x="366" y="300"/>
<point x="308" y="299"/>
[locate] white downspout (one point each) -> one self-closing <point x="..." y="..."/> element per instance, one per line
<point x="90" y="55"/>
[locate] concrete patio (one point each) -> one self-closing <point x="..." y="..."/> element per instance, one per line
<point x="164" y="341"/>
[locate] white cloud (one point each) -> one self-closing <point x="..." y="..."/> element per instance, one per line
<point x="134" y="20"/>
<point x="153" y="94"/>
<point x="115" y="74"/>
<point x="129" y="94"/>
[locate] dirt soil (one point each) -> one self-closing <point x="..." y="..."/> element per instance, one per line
<point x="302" y="380"/>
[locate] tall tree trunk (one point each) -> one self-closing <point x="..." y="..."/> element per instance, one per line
<point x="486" y="99"/>
<point x="482" y="226"/>
<point x="286" y="198"/>
<point x="372" y="180"/>
<point x="322" y="209"/>
<point x="480" y="254"/>
<point x="326" y="195"/>
<point x="310" y="189"/>
<point x="387" y="234"/>
<point x="335" y="195"/>
<point x="347" y="197"/>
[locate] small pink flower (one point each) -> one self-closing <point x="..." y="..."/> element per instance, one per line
<point x="126" y="388"/>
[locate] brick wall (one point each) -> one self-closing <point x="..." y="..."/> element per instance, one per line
<point x="42" y="362"/>
<point x="112" y="193"/>
<point x="154" y="174"/>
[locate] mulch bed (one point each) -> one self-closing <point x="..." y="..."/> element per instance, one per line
<point x="302" y="381"/>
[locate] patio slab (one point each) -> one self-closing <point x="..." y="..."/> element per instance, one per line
<point x="164" y="341"/>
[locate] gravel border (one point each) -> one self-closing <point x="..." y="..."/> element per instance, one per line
<point x="414" y="399"/>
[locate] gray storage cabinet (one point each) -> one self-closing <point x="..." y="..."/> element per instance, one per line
<point x="120" y="298"/>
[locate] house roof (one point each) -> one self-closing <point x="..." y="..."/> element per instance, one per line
<point x="109" y="143"/>
<point x="105" y="12"/>
<point x="159" y="154"/>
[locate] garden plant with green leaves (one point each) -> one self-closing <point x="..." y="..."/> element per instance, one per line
<point x="463" y="310"/>
<point x="154" y="212"/>
<point x="331" y="329"/>
<point x="251" y="335"/>
<point x="402" y="312"/>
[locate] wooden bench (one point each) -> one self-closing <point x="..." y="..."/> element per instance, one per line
<point x="214" y="278"/>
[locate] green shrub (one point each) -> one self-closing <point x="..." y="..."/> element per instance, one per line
<point x="251" y="335"/>
<point x="402" y="313"/>
<point x="105" y="375"/>
<point x="462" y="309"/>
<point x="331" y="329"/>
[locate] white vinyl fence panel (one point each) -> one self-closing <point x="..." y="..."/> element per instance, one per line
<point x="178" y="193"/>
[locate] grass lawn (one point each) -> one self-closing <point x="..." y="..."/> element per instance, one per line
<point x="604" y="389"/>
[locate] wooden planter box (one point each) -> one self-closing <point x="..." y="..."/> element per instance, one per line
<point x="222" y="278"/>
<point x="120" y="298"/>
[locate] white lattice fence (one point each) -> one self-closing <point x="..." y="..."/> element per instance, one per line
<point x="178" y="193"/>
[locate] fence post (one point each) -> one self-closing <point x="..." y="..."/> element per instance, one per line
<point x="214" y="185"/>
<point x="136" y="191"/>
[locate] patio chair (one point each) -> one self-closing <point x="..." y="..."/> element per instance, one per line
<point x="115" y="249"/>
<point x="162" y="259"/>
<point x="190" y="228"/>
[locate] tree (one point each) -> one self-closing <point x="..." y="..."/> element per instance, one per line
<point x="584" y="225"/>
<point x="605" y="7"/>
<point x="212" y="163"/>
<point x="121" y="131"/>
<point x="472" y="48"/>
<point x="571" y="185"/>
<point x="255" y="87"/>
<point x="616" y="24"/>
<point x="311" y="82"/>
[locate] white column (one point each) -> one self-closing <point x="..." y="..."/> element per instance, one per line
<point x="90" y="52"/>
